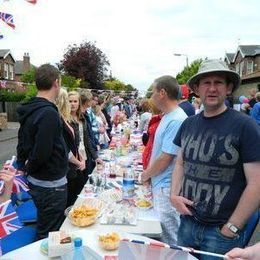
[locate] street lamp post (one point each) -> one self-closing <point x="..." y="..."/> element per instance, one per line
<point x="185" y="55"/>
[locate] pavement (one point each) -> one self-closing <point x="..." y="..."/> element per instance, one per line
<point x="10" y="133"/>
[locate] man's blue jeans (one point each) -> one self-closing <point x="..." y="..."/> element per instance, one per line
<point x="197" y="235"/>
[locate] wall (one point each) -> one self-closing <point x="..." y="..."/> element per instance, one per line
<point x="245" y="88"/>
<point x="11" y="109"/>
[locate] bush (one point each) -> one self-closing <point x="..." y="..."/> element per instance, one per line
<point x="31" y="92"/>
<point x="29" y="76"/>
<point x="71" y="83"/>
<point x="9" y="96"/>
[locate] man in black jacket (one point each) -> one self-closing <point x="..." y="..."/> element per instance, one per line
<point x="41" y="151"/>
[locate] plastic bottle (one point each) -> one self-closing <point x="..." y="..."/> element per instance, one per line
<point x="78" y="249"/>
<point x="128" y="183"/>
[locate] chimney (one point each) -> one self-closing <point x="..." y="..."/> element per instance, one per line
<point x="26" y="62"/>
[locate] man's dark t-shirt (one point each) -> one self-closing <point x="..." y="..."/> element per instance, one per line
<point x="214" y="150"/>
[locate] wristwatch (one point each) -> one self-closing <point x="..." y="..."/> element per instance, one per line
<point x="232" y="228"/>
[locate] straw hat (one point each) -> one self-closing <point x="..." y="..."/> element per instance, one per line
<point x="211" y="66"/>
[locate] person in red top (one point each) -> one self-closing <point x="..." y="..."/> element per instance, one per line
<point x="152" y="126"/>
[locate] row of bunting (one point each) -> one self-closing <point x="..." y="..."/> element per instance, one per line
<point x="8" y="18"/>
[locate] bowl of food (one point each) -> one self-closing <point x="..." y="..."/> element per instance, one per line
<point x="143" y="204"/>
<point x="84" y="214"/>
<point x="109" y="241"/>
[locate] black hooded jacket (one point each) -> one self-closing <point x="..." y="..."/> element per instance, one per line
<point x="41" y="147"/>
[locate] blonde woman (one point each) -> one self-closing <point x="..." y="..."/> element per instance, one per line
<point x="76" y="163"/>
<point x="80" y="128"/>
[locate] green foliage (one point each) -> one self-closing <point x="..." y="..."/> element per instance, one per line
<point x="115" y="84"/>
<point x="29" y="76"/>
<point x="188" y="71"/>
<point x="18" y="96"/>
<point x="84" y="84"/>
<point x="9" y="96"/>
<point x="70" y="82"/>
<point x="149" y="92"/>
<point x="31" y="92"/>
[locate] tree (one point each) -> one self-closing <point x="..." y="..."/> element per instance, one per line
<point x="188" y="71"/>
<point x="149" y="92"/>
<point x="117" y="85"/>
<point x="70" y="82"/>
<point x="29" y="76"/>
<point x="86" y="62"/>
<point x="129" y="87"/>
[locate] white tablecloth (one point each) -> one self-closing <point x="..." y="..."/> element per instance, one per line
<point x="89" y="237"/>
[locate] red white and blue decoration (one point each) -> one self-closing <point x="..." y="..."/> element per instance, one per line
<point x="9" y="221"/>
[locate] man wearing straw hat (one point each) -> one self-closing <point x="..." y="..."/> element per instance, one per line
<point x="216" y="179"/>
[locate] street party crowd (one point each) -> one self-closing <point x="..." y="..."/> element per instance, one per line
<point x="201" y="157"/>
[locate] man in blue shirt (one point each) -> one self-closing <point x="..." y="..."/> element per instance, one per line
<point x="165" y="95"/>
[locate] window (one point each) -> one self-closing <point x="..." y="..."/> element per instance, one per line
<point x="241" y="68"/>
<point x="250" y="67"/>
<point x="237" y="68"/>
<point x="11" y="71"/>
<point x="5" y="70"/>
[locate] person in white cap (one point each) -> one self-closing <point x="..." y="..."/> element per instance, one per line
<point x="216" y="179"/>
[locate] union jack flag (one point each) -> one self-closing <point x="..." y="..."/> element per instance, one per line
<point x="1" y="36"/>
<point x="20" y="181"/>
<point x="20" y="184"/>
<point x="9" y="221"/>
<point x="32" y="1"/>
<point x="8" y="19"/>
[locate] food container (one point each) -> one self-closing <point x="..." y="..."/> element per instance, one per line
<point x="143" y="204"/>
<point x="110" y="241"/>
<point x="84" y="214"/>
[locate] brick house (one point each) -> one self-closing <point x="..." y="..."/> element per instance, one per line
<point x="246" y="62"/>
<point x="22" y="66"/>
<point x="7" y="63"/>
<point x="12" y="70"/>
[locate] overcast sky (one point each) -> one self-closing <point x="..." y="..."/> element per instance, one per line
<point x="139" y="37"/>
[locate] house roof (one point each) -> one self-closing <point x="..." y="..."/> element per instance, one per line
<point x="230" y="56"/>
<point x="250" y="50"/>
<point x="247" y="50"/>
<point x="4" y="53"/>
<point x="18" y="67"/>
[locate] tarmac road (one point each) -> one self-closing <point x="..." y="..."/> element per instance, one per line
<point x="7" y="149"/>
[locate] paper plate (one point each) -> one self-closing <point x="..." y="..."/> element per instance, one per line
<point x="111" y="195"/>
